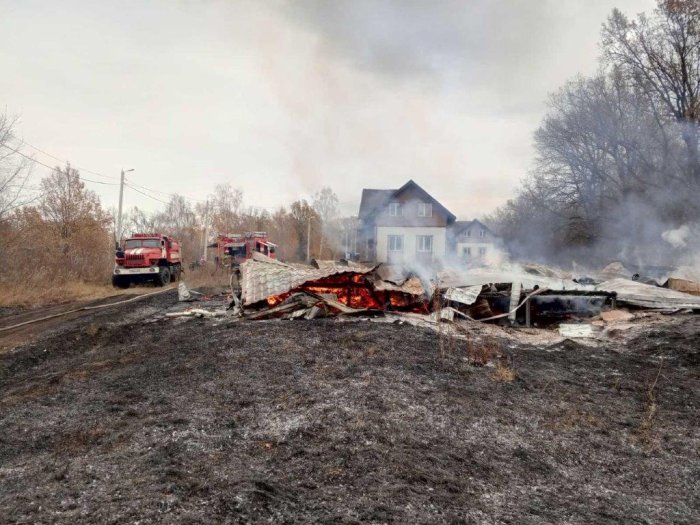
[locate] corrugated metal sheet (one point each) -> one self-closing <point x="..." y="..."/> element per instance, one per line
<point x="463" y="295"/>
<point x="576" y="330"/>
<point x="683" y="285"/>
<point x="480" y="276"/>
<point x="411" y="286"/>
<point x="648" y="296"/>
<point x="261" y="279"/>
<point x="394" y="273"/>
<point x="341" y="266"/>
<point x="615" y="270"/>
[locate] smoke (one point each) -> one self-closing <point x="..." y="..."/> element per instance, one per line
<point x="677" y="238"/>
<point x="685" y="240"/>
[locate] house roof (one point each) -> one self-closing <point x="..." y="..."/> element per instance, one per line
<point x="460" y="226"/>
<point x="372" y="200"/>
<point x="262" y="277"/>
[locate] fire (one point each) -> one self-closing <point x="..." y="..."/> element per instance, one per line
<point x="354" y="291"/>
<point x="274" y="300"/>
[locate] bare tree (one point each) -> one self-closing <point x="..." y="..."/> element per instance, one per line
<point x="661" y="54"/>
<point x="325" y="203"/>
<point x="617" y="154"/>
<point x="223" y="208"/>
<point x="67" y="204"/>
<point x="138" y="220"/>
<point x="179" y="220"/>
<point x="282" y="230"/>
<point x="14" y="170"/>
<point x="73" y="227"/>
<point x="305" y="220"/>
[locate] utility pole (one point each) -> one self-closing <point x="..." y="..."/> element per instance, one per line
<point x="121" y="202"/>
<point x="308" y="240"/>
<point x="206" y="233"/>
<point x="355" y="227"/>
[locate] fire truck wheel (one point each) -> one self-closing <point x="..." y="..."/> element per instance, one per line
<point x="163" y="276"/>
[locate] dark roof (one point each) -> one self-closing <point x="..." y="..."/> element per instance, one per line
<point x="460" y="226"/>
<point x="372" y="200"/>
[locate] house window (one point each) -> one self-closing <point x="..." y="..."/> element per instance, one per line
<point x="424" y="243"/>
<point x="395" y="243"/>
<point x="482" y="251"/>
<point x="469" y="233"/>
<point x="425" y="209"/>
<point x="395" y="209"/>
<point x="482" y="233"/>
<point x="467" y="252"/>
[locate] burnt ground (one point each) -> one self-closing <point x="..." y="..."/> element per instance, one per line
<point x="122" y="417"/>
<point x="12" y="316"/>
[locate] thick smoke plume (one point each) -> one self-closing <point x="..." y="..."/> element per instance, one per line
<point x="617" y="172"/>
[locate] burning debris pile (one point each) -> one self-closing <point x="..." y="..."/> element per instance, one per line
<point x="518" y="295"/>
<point x="273" y="289"/>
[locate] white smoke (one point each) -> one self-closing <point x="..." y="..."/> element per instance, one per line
<point x="677" y="238"/>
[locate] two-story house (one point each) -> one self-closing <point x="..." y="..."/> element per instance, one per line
<point x="403" y="226"/>
<point x="472" y="240"/>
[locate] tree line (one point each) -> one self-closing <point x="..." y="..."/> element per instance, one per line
<point x="617" y="160"/>
<point x="60" y="232"/>
<point x="312" y="227"/>
<point x="617" y="163"/>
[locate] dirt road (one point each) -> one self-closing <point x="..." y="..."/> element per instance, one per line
<point x="122" y="416"/>
<point x="31" y="322"/>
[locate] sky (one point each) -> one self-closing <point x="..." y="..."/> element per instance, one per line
<point x="281" y="98"/>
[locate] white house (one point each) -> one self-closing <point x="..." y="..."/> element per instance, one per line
<point x="472" y="240"/>
<point x="403" y="226"/>
<point x="408" y="226"/>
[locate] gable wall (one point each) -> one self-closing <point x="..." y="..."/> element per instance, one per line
<point x="409" y="200"/>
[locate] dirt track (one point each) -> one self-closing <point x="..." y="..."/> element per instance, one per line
<point x="10" y="317"/>
<point x="118" y="417"/>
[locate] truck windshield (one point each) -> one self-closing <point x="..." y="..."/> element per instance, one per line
<point x="236" y="251"/>
<point x="141" y="243"/>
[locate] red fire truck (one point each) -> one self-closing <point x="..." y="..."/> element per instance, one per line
<point x="234" y="248"/>
<point x="147" y="257"/>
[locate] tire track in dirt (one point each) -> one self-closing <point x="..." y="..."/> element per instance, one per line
<point x="25" y="333"/>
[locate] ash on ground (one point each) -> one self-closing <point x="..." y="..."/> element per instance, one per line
<point x="125" y="416"/>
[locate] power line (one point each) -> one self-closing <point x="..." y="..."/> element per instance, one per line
<point x="192" y="199"/>
<point x="64" y="160"/>
<point x="145" y="194"/>
<point x="130" y="185"/>
<point x="169" y="194"/>
<point x="53" y="167"/>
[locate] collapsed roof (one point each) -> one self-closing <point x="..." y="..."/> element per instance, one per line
<point x="262" y="277"/>
<point x="649" y="296"/>
<point x="515" y="274"/>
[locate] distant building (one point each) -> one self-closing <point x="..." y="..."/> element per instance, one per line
<point x="472" y="240"/>
<point x="403" y="226"/>
<point x="408" y="225"/>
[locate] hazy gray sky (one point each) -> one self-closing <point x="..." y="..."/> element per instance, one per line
<point x="281" y="98"/>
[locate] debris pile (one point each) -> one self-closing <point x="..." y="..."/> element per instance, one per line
<point x="520" y="295"/>
<point x="274" y="289"/>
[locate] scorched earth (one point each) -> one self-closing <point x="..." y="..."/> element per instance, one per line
<point x="125" y="416"/>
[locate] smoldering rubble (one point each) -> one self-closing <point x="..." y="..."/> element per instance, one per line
<point x="125" y="415"/>
<point x="509" y="295"/>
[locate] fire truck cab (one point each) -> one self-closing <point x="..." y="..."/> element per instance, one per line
<point x="145" y="257"/>
<point x="233" y="249"/>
